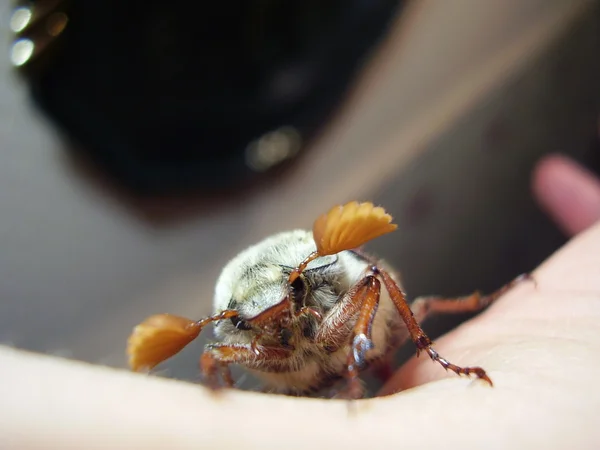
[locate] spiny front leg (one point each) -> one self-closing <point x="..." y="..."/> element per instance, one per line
<point x="360" y="302"/>
<point x="333" y="332"/>
<point x="361" y="343"/>
<point x="418" y="336"/>
<point x="217" y="358"/>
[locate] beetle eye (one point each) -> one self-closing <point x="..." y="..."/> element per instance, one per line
<point x="298" y="288"/>
<point x="240" y="324"/>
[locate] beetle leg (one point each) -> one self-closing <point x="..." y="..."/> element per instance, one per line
<point x="417" y="334"/>
<point x="217" y="357"/>
<point x="361" y="342"/>
<point x="361" y="302"/>
<point x="422" y="307"/>
<point x="333" y="333"/>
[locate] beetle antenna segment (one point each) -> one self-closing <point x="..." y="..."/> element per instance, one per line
<point x="302" y="266"/>
<point x="227" y="314"/>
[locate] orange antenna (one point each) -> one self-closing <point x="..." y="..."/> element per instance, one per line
<point x="163" y="335"/>
<point x="344" y="228"/>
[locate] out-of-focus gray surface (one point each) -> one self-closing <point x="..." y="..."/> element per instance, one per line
<point x="78" y="270"/>
<point x="467" y="200"/>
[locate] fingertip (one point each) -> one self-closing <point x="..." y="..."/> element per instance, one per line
<point x="567" y="192"/>
<point x="545" y="173"/>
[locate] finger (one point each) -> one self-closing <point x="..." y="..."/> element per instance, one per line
<point x="52" y="403"/>
<point x="566" y="293"/>
<point x="568" y="192"/>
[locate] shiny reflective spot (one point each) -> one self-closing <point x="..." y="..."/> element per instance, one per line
<point x="273" y="148"/>
<point x="56" y="23"/>
<point x="21" y="51"/>
<point x="20" y="19"/>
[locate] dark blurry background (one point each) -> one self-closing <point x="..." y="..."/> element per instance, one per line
<point x="171" y="97"/>
<point x="127" y="180"/>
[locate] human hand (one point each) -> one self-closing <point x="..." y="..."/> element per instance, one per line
<point x="539" y="343"/>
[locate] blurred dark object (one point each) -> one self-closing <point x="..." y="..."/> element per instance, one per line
<point x="168" y="97"/>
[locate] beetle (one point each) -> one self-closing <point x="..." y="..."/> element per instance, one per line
<point x="303" y="309"/>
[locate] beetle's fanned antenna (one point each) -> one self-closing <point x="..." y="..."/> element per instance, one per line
<point x="345" y="228"/>
<point x="350" y="226"/>
<point x="163" y="335"/>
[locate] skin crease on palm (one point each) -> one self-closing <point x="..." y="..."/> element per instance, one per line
<point x="540" y="343"/>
